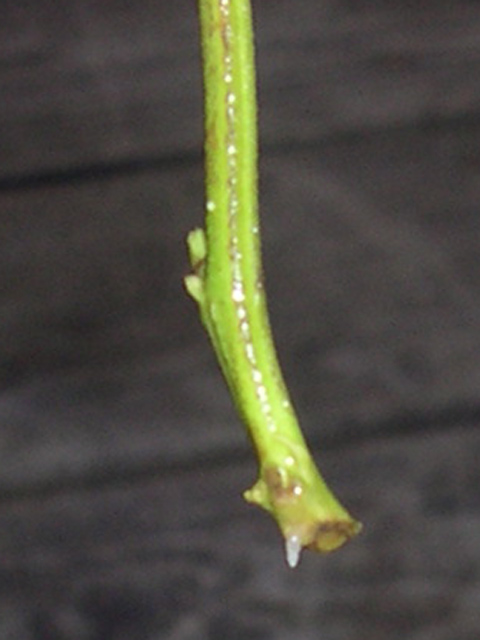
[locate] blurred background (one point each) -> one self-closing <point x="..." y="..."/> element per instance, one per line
<point x="122" y="461"/>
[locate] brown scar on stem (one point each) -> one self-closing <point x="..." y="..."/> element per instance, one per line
<point x="198" y="267"/>
<point x="215" y="25"/>
<point x="222" y="23"/>
<point x="282" y="492"/>
<point x="331" y="535"/>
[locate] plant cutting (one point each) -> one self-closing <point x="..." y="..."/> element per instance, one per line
<point x="228" y="286"/>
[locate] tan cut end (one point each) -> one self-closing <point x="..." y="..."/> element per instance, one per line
<point x="328" y="536"/>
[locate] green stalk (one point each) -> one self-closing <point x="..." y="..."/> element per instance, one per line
<point x="227" y="284"/>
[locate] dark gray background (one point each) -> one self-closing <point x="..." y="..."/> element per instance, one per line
<point x="122" y="461"/>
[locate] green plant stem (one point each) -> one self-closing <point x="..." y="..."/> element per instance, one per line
<point x="228" y="285"/>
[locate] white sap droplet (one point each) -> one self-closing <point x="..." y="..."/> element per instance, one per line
<point x="237" y="293"/>
<point x="249" y="349"/>
<point x="241" y="314"/>
<point x="210" y="205"/>
<point x="257" y="376"/>
<point x="245" y="329"/>
<point x="293" y="548"/>
<point x="262" y="393"/>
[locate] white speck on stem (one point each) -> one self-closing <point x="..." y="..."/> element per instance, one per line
<point x="293" y="549"/>
<point x="237" y="294"/>
<point x="257" y="376"/>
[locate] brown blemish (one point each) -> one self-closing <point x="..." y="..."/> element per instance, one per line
<point x="282" y="492"/>
<point x="328" y="536"/>
<point x="198" y="267"/>
<point x="211" y="137"/>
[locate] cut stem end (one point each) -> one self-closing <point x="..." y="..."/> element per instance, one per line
<point x="309" y="518"/>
